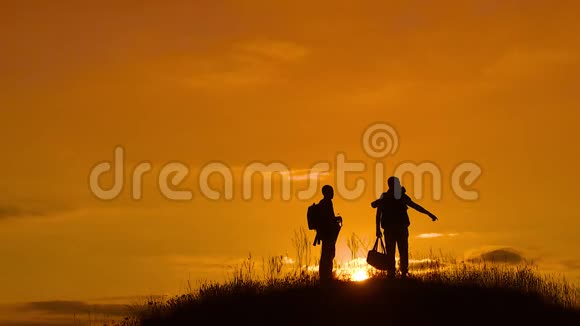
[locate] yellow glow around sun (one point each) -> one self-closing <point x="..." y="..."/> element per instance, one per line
<point x="359" y="275"/>
<point x="356" y="270"/>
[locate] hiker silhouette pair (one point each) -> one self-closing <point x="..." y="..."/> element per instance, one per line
<point x="391" y="216"/>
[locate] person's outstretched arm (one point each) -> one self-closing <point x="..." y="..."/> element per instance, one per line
<point x="420" y="209"/>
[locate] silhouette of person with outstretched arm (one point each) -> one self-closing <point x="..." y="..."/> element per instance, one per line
<point x="393" y="218"/>
<point x="327" y="233"/>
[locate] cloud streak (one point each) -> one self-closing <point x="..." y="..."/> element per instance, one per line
<point x="436" y="235"/>
<point x="248" y="64"/>
<point x="12" y="211"/>
<point x="306" y="175"/>
<point x="74" y="307"/>
<point x="60" y="312"/>
<point x="497" y="255"/>
<point x="29" y="209"/>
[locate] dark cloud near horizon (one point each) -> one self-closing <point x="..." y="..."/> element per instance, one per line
<point x="66" y="322"/>
<point x="12" y="211"/>
<point x="75" y="307"/>
<point x="33" y="209"/>
<point x="500" y="255"/>
<point x="60" y="313"/>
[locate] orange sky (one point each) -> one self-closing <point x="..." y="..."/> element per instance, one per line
<point x="493" y="82"/>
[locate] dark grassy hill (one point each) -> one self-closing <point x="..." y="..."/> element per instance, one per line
<point x="498" y="297"/>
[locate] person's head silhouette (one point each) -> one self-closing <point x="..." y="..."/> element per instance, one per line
<point x="394" y="183"/>
<point x="395" y="186"/>
<point x="328" y="192"/>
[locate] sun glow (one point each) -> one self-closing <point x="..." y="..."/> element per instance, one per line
<point x="359" y="275"/>
<point x="357" y="270"/>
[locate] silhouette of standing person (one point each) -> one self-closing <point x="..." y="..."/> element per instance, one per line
<point x="327" y="233"/>
<point x="393" y="218"/>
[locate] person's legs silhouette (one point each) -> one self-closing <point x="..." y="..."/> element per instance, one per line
<point x="403" y="244"/>
<point x="327" y="254"/>
<point x="390" y="246"/>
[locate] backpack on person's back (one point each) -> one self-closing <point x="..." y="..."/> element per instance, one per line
<point x="313" y="217"/>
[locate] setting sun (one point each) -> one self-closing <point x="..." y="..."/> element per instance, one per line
<point x="359" y="275"/>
